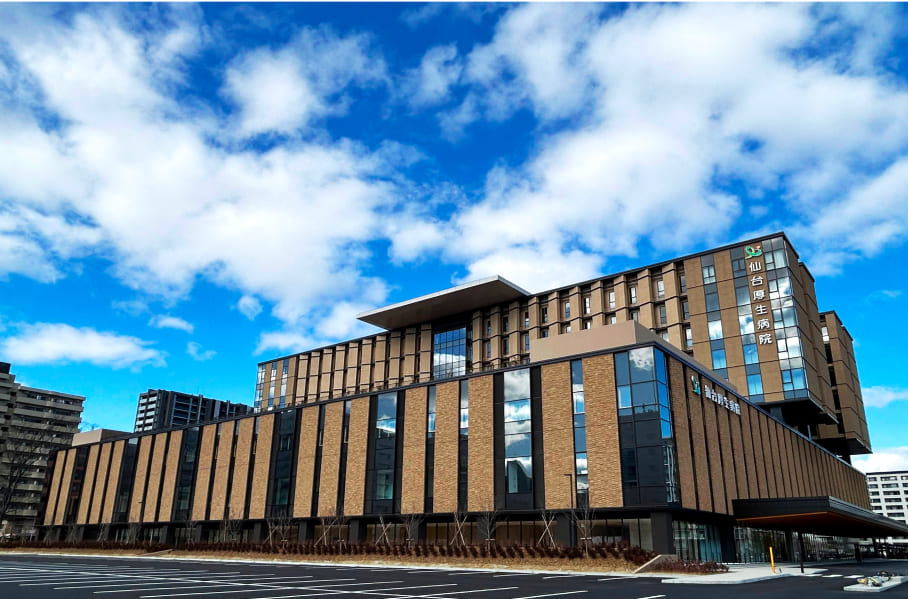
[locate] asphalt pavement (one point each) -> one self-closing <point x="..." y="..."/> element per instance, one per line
<point x="42" y="576"/>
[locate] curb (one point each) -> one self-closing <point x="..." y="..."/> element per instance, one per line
<point x="706" y="579"/>
<point x="344" y="564"/>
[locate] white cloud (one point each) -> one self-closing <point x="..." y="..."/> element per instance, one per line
<point x="281" y="91"/>
<point x="880" y="396"/>
<point x="284" y="341"/>
<point x="195" y="352"/>
<point x="272" y="92"/>
<point x="249" y="306"/>
<point x="235" y="217"/>
<point x="438" y="71"/>
<point x="166" y="321"/>
<point x="53" y="343"/>
<point x="882" y="460"/>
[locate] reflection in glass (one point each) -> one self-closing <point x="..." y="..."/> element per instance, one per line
<point x="641" y="364"/>
<point x="517" y="384"/>
<point x="517" y="410"/>
<point x="450" y="353"/>
<point x="519" y="473"/>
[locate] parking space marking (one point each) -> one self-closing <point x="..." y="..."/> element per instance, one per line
<point x="269" y="587"/>
<point x="144" y="576"/>
<point x="650" y="597"/>
<point x="471" y="591"/>
<point x="568" y="593"/>
<point x="832" y="576"/>
<point x="854" y="576"/>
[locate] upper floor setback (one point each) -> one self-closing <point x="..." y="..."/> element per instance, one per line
<point x="747" y="309"/>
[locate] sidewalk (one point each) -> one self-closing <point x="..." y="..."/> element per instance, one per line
<point x="744" y="573"/>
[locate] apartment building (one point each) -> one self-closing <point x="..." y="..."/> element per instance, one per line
<point x="889" y="496"/>
<point x="33" y="423"/>
<point x="160" y="410"/>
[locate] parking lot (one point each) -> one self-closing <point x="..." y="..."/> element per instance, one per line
<point x="53" y="577"/>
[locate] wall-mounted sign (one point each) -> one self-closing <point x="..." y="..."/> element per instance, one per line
<point x="763" y="326"/>
<point x="710" y="393"/>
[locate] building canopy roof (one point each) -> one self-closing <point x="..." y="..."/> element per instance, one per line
<point x="819" y="515"/>
<point x="441" y="304"/>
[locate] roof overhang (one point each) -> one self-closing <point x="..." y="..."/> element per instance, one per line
<point x="441" y="304"/>
<point x="819" y="515"/>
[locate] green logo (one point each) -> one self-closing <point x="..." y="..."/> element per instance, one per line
<point x="753" y="252"/>
<point x="696" y="383"/>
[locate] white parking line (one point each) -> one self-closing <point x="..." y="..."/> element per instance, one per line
<point x="832" y="576"/>
<point x="562" y="576"/>
<point x="269" y="587"/>
<point x="613" y="578"/>
<point x="854" y="576"/>
<point x="518" y="574"/>
<point x="133" y="576"/>
<point x="650" y="597"/>
<point x="472" y="591"/>
<point x="186" y="586"/>
<point x="567" y="593"/>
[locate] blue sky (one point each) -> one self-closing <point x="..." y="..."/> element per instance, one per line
<point x="187" y="190"/>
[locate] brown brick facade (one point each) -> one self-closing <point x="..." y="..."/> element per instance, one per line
<point x="603" y="455"/>
<point x="480" y="448"/>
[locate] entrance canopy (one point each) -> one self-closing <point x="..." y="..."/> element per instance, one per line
<point x="818" y="515"/>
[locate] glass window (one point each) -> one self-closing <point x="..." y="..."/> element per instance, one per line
<point x="715" y="329"/>
<point x="526" y="342"/>
<point x="754" y="384"/>
<point x="384" y="484"/>
<point x="663" y="317"/>
<point x="505" y="324"/>
<point x="642" y="364"/>
<point x="624" y="396"/>
<point x="635" y="315"/>
<point x="586" y="305"/>
<point x="516" y="384"/>
<point x="750" y="354"/>
<point x="517" y="410"/>
<point x="709" y="274"/>
<point x="611" y="299"/>
<point x="660" y="288"/>
<point x="688" y="337"/>
<point x="719" y="358"/>
<point x="579" y="439"/>
<point x="685" y="310"/>
<point x="712" y="302"/>
<point x="567" y="309"/>
<point x="519" y="474"/>
<point x="545" y="314"/>
<point x="450" y="353"/>
<point x="632" y="292"/>
<point x="683" y="278"/>
<point x="517" y="445"/>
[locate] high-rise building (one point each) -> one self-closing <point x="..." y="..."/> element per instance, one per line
<point x="161" y="410"/>
<point x="748" y="310"/>
<point x="889" y="496"/>
<point x="33" y="423"/>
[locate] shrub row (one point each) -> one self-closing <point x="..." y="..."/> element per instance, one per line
<point x="621" y="551"/>
<point x="692" y="567"/>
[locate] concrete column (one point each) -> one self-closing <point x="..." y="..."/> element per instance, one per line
<point x="306" y="531"/>
<point x="727" y="540"/>
<point x="564" y="530"/>
<point x="356" y="530"/>
<point x="663" y="536"/>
